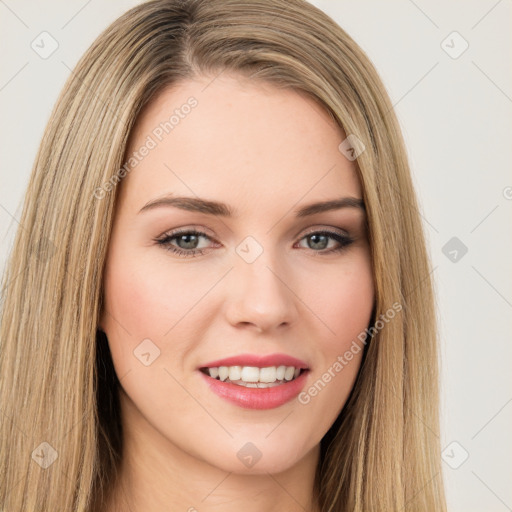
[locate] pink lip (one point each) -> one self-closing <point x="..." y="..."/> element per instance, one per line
<point x="256" y="398"/>
<point x="258" y="360"/>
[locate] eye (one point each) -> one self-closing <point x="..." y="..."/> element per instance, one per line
<point x="186" y="242"/>
<point x="319" y="241"/>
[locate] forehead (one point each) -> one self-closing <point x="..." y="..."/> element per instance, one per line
<point x="233" y="138"/>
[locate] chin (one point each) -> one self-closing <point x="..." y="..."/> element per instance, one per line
<point x="260" y="456"/>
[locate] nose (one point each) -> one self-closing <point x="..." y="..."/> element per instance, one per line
<point x="260" y="297"/>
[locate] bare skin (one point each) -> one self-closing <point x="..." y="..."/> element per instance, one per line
<point x="264" y="152"/>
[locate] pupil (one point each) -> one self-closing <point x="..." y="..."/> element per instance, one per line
<point x="315" y="243"/>
<point x="193" y="242"/>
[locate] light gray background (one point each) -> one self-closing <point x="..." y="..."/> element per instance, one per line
<point x="456" y="118"/>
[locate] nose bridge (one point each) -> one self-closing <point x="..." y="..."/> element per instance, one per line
<point x="259" y="293"/>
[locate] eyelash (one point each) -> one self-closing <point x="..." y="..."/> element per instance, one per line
<point x="165" y="241"/>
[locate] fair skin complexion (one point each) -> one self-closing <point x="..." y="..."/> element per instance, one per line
<point x="266" y="153"/>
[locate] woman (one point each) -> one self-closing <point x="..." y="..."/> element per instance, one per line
<point x="291" y="363"/>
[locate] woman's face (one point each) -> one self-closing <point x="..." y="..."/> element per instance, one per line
<point x="192" y="291"/>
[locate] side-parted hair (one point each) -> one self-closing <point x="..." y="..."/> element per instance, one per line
<point x="60" y="432"/>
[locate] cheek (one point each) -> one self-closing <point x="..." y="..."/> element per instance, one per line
<point x="141" y="303"/>
<point x="343" y="299"/>
<point x="148" y="298"/>
<point x="145" y="299"/>
<point x="332" y="380"/>
<point x="344" y="304"/>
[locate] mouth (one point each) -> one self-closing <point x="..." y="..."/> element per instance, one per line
<point x="253" y="376"/>
<point x="256" y="382"/>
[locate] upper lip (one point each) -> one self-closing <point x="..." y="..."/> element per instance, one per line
<point x="260" y="361"/>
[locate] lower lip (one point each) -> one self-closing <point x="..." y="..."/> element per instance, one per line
<point x="257" y="398"/>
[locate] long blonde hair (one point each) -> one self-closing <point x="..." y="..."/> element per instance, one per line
<point x="61" y="438"/>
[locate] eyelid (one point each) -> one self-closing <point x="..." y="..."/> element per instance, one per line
<point x="321" y="228"/>
<point x="210" y="234"/>
<point x="186" y="229"/>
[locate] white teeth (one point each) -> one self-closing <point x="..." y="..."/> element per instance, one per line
<point x="249" y="374"/>
<point x="256" y="384"/>
<point x="268" y="384"/>
<point x="223" y="372"/>
<point x="268" y="374"/>
<point x="280" y="372"/>
<point x="234" y="372"/>
<point x="288" y="374"/>
<point x="254" y="377"/>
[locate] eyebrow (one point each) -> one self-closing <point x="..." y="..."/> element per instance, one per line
<point x="195" y="204"/>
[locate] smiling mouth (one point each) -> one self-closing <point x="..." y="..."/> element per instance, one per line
<point x="253" y="376"/>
